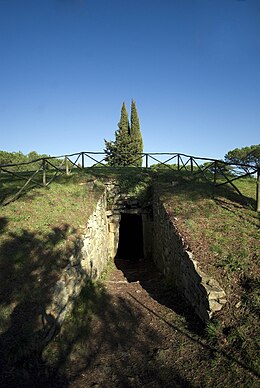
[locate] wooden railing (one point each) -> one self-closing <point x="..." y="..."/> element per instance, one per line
<point x="41" y="172"/>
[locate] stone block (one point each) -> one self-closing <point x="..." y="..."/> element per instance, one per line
<point x="215" y="293"/>
<point x="215" y="306"/>
<point x="112" y="228"/>
<point x="172" y="256"/>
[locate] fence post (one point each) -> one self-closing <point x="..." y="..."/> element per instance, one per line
<point x="215" y="173"/>
<point x="44" y="172"/>
<point x="82" y="160"/>
<point x="146" y="160"/>
<point x="258" y="190"/>
<point x="191" y="165"/>
<point x="67" y="165"/>
<point x="178" y="162"/>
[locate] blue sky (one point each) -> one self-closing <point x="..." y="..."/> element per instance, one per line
<point x="192" y="66"/>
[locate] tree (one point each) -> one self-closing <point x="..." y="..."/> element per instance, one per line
<point x="246" y="155"/>
<point x="6" y="157"/>
<point x="136" y="135"/>
<point x="123" y="151"/>
<point x="19" y="157"/>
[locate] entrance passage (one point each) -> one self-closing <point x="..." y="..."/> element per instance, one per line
<point x="130" y="245"/>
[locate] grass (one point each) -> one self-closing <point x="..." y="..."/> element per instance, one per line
<point x="134" y="182"/>
<point x="41" y="228"/>
<point x="37" y="234"/>
<point x="76" y="329"/>
<point x="212" y="331"/>
<point x="41" y="207"/>
<point x="223" y="233"/>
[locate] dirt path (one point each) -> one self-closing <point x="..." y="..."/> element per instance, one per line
<point x="132" y="330"/>
<point x="146" y="336"/>
<point x="135" y="341"/>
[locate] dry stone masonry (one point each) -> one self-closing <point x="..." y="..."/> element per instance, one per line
<point x="162" y="243"/>
<point x="92" y="252"/>
<point x="178" y="264"/>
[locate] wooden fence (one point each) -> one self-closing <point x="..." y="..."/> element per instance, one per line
<point x="41" y="172"/>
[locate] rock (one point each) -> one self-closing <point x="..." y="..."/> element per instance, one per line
<point x="179" y="264"/>
<point x="215" y="306"/>
<point x="216" y="293"/>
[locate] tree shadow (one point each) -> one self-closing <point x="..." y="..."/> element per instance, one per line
<point x="13" y="187"/>
<point x="108" y="339"/>
<point x="135" y="181"/>
<point x="10" y="185"/>
<point x="146" y="273"/>
<point x="3" y="224"/>
<point x="250" y="298"/>
<point x="110" y="343"/>
<point x="195" y="187"/>
<point x="102" y="338"/>
<point x="30" y="265"/>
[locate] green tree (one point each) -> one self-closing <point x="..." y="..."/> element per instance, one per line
<point x="12" y="157"/>
<point x="33" y="155"/>
<point x="123" y="151"/>
<point x="136" y="135"/>
<point x="246" y="155"/>
<point x="6" y="157"/>
<point x="19" y="157"/>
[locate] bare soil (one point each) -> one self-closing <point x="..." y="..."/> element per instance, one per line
<point x="134" y="335"/>
<point x="137" y="333"/>
<point x="146" y="336"/>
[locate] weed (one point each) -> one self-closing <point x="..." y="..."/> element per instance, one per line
<point x="107" y="271"/>
<point x="251" y="296"/>
<point x="215" y="248"/>
<point x="222" y="232"/>
<point x="237" y="337"/>
<point x="231" y="263"/>
<point x="212" y="331"/>
<point x="191" y="225"/>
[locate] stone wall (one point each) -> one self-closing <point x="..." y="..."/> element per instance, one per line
<point x="162" y="243"/>
<point x="178" y="264"/>
<point x="92" y="251"/>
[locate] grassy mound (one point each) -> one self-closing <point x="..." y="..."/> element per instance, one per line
<point x="41" y="227"/>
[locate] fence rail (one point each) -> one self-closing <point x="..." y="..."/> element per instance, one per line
<point x="41" y="172"/>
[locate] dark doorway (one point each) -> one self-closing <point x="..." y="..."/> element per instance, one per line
<point x="130" y="245"/>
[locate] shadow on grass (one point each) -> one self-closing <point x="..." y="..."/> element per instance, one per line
<point x="145" y="273"/>
<point x="251" y="297"/>
<point x="134" y="180"/>
<point x="107" y="342"/>
<point x="30" y="265"/>
<point x="11" y="185"/>
<point x="101" y="338"/>
<point x="3" y="224"/>
<point x="194" y="188"/>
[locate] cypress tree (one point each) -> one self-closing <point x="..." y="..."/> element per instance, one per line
<point x="119" y="151"/>
<point x="128" y="144"/>
<point x="136" y="135"/>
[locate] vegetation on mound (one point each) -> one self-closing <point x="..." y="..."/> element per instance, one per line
<point x="42" y="226"/>
<point x="133" y="181"/>
<point x="37" y="233"/>
<point x="223" y="233"/>
<point x="40" y="229"/>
